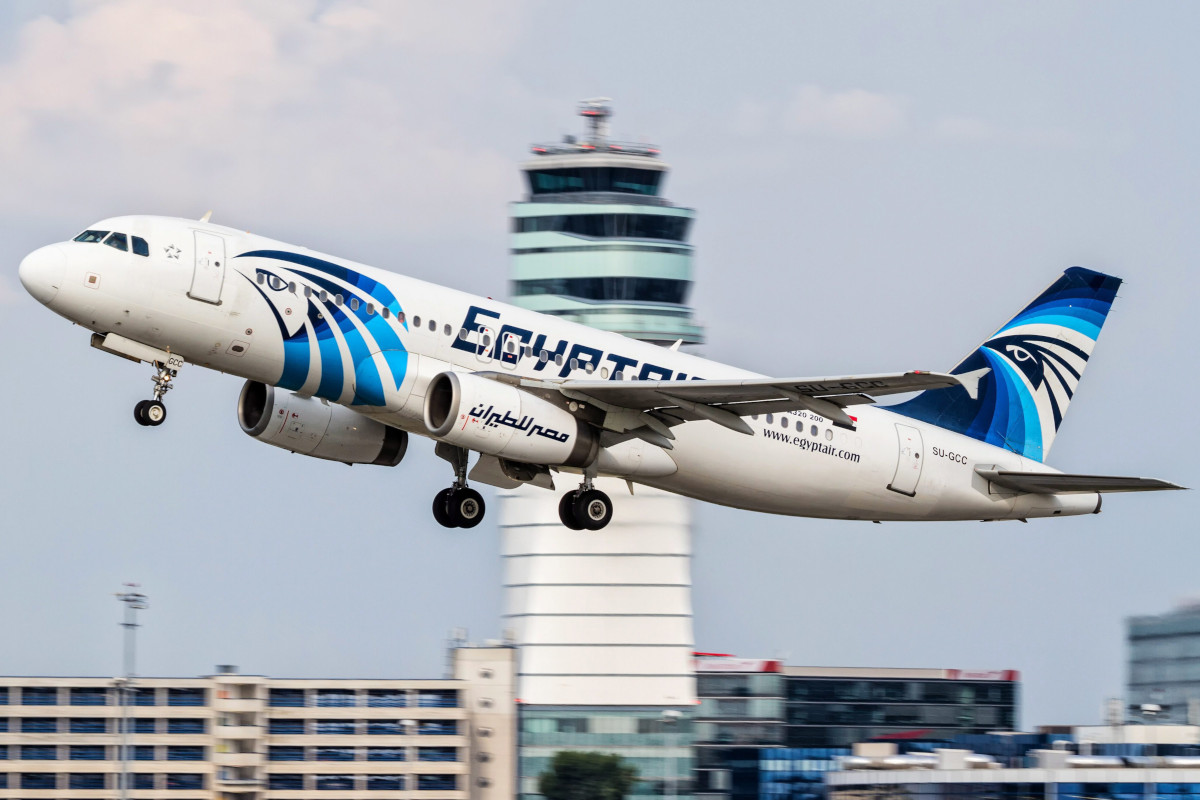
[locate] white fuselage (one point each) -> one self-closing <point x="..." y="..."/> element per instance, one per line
<point x="795" y="463"/>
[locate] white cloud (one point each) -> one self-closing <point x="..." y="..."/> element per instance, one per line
<point x="278" y="106"/>
<point x="963" y="129"/>
<point x="853" y="114"/>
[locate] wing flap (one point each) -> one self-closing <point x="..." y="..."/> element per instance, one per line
<point x="643" y="395"/>
<point x="1060" y="483"/>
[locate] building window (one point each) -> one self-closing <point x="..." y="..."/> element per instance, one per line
<point x="38" y="780"/>
<point x="145" y="725"/>
<point x="143" y="752"/>
<point x="384" y="727"/>
<point x="285" y="782"/>
<point x="185" y="780"/>
<point x="336" y="754"/>
<point x="286" y="698"/>
<point x="442" y="699"/>
<point x="87" y="752"/>
<point x="86" y="780"/>
<point x="342" y="727"/>
<point x="143" y="780"/>
<point x="3" y="724"/>
<point x="426" y="783"/>
<point x="386" y="698"/>
<point x="285" y="753"/>
<point x="432" y="727"/>
<point x="144" y="697"/>
<point x="39" y="752"/>
<point x="386" y="754"/>
<point x="3" y="695"/>
<point x="437" y="754"/>
<point x="627" y="180"/>
<point x="39" y="696"/>
<point x="97" y="696"/>
<point x="185" y="754"/>
<point x="335" y="783"/>
<point x="39" y="725"/>
<point x="285" y="727"/>
<point x="385" y="783"/>
<point x="185" y="697"/>
<point x="185" y="726"/>
<point x="336" y="698"/>
<point x="612" y="289"/>
<point x="89" y="725"/>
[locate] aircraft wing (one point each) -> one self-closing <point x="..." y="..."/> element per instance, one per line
<point x="726" y="401"/>
<point x="1057" y="483"/>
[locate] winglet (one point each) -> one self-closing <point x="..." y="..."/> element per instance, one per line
<point x="207" y="216"/>
<point x="970" y="381"/>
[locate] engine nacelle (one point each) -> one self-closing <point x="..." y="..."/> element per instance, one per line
<point x="501" y="420"/>
<point x="316" y="428"/>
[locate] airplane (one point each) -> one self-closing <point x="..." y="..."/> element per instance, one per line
<point x="344" y="361"/>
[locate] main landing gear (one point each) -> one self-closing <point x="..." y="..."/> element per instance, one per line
<point x="586" y="508"/>
<point x="153" y="412"/>
<point x="460" y="506"/>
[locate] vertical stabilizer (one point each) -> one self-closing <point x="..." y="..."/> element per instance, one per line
<point x="1033" y="365"/>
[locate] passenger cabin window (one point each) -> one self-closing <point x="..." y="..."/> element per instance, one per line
<point x="140" y="247"/>
<point x="91" y="236"/>
<point x="118" y="241"/>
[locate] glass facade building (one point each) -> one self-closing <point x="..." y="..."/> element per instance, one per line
<point x="660" y="751"/>
<point x="750" y="722"/>
<point x="1164" y="662"/>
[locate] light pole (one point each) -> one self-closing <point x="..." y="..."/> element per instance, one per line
<point x="670" y="718"/>
<point x="134" y="601"/>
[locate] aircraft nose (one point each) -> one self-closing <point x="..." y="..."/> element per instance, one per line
<point x="42" y="272"/>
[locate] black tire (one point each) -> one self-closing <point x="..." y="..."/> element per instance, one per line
<point x="467" y="508"/>
<point x="441" y="508"/>
<point x="139" y="412"/>
<point x="155" y="413"/>
<point x="593" y="509"/>
<point x="566" y="512"/>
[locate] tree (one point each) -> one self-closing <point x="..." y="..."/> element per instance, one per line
<point x="579" y="775"/>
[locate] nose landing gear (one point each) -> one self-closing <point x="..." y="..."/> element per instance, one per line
<point x="586" y="508"/>
<point x="153" y="413"/>
<point x="460" y="506"/>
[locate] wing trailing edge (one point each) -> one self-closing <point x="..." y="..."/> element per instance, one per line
<point x="1061" y="483"/>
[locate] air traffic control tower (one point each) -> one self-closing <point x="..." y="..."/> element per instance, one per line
<point x="603" y="620"/>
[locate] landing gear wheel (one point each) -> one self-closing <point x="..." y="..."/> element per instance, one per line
<point x="466" y="508"/>
<point x="150" y="412"/>
<point x="441" y="508"/>
<point x="155" y="413"/>
<point x="593" y="509"/>
<point x="566" y="511"/>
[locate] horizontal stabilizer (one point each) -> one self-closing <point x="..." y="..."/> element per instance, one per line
<point x="1059" y="483"/>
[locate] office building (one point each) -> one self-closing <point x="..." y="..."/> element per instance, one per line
<point x="1164" y="663"/>
<point x="757" y="710"/>
<point x="250" y="737"/>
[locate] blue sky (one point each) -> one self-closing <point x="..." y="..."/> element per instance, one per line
<point x="878" y="187"/>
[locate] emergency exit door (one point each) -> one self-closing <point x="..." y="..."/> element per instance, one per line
<point x="209" y="274"/>
<point x="908" y="460"/>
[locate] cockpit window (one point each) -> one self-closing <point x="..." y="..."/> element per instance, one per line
<point x="140" y="248"/>
<point x="91" y="236"/>
<point x="118" y="240"/>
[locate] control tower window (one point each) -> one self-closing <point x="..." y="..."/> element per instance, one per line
<point x="629" y="226"/>
<point x="626" y="180"/>
<point x="641" y="290"/>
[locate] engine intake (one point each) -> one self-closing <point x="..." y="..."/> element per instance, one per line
<point x="491" y="417"/>
<point x="317" y="428"/>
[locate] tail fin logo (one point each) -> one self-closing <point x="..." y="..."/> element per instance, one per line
<point x="1030" y="368"/>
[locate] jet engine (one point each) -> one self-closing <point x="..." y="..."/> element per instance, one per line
<point x="317" y="428"/>
<point x="501" y="420"/>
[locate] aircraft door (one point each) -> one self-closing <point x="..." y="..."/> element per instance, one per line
<point x="209" y="273"/>
<point x="908" y="460"/>
<point x="487" y="341"/>
<point x="509" y="350"/>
